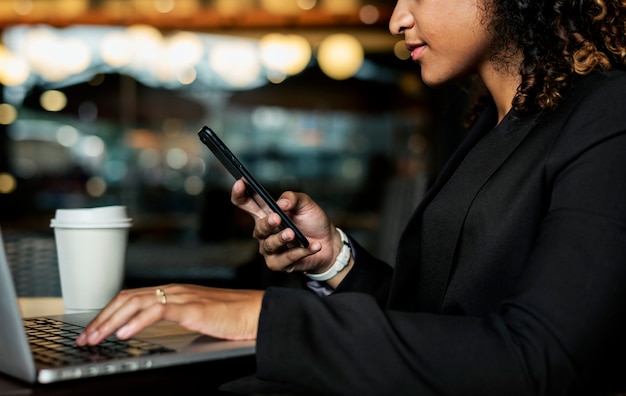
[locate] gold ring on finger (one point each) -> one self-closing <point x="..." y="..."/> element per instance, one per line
<point x="161" y="296"/>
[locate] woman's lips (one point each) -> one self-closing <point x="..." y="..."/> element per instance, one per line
<point x="415" y="50"/>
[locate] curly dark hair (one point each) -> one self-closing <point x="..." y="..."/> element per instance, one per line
<point x="559" y="39"/>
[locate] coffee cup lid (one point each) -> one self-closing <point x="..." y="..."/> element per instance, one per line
<point x="101" y="214"/>
<point x="126" y="223"/>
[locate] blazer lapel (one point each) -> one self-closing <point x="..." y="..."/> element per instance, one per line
<point x="432" y="250"/>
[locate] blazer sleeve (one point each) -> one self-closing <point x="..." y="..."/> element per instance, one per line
<point x="561" y="331"/>
<point x="369" y="275"/>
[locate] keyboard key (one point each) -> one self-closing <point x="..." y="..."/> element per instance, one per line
<point x="53" y="342"/>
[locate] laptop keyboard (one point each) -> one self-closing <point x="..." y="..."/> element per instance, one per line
<point x="53" y="342"/>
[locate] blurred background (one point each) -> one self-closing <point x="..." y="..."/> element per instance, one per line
<point x="101" y="101"/>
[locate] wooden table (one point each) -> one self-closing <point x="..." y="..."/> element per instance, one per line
<point x="41" y="306"/>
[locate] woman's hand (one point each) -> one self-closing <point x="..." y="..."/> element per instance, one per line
<point x="222" y="313"/>
<point x="325" y="242"/>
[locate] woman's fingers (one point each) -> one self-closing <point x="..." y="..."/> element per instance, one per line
<point x="223" y="313"/>
<point x="266" y="226"/>
<point x="292" y="259"/>
<point x="142" y="319"/>
<point x="239" y="197"/>
<point x="124" y="309"/>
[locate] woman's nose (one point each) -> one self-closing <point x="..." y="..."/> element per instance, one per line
<point x="401" y="19"/>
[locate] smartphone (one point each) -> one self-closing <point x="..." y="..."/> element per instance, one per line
<point x="258" y="193"/>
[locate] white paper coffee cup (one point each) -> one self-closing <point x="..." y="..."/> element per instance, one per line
<point x="91" y="247"/>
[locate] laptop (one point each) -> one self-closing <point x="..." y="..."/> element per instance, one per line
<point x="29" y="354"/>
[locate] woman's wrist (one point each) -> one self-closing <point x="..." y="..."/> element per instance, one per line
<point x="342" y="260"/>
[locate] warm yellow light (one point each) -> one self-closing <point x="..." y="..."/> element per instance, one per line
<point x="340" y="56"/>
<point x="183" y="8"/>
<point x="146" y="43"/>
<point x="34" y="8"/>
<point x="53" y="100"/>
<point x="146" y="7"/>
<point x="117" y="8"/>
<point x="54" y="58"/>
<point x="231" y="7"/>
<point x="38" y="45"/>
<point x="187" y="76"/>
<point x="341" y="6"/>
<point x="70" y="8"/>
<point x="7" y="183"/>
<point x="281" y="7"/>
<point x="306" y="4"/>
<point x="276" y="77"/>
<point x="171" y="7"/>
<point x="399" y="49"/>
<point x="115" y="49"/>
<point x="178" y="57"/>
<point x="144" y="33"/>
<point x="23" y="7"/>
<point x="76" y="55"/>
<point x="287" y="54"/>
<point x="164" y="6"/>
<point x="8" y="114"/>
<point x="13" y="70"/>
<point x="236" y="62"/>
<point x="184" y="49"/>
<point x="163" y="72"/>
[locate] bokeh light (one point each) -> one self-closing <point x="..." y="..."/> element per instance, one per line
<point x="236" y="62"/>
<point x="287" y="54"/>
<point x="53" y="100"/>
<point x="340" y="56"/>
<point x="8" y="114"/>
<point x="13" y="69"/>
<point x="8" y="184"/>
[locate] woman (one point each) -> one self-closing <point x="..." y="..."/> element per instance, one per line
<point x="510" y="275"/>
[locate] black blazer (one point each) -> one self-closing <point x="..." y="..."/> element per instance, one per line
<point x="510" y="276"/>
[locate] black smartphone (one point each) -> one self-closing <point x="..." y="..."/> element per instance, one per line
<point x="253" y="187"/>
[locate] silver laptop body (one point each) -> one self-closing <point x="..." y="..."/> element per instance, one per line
<point x="16" y="358"/>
